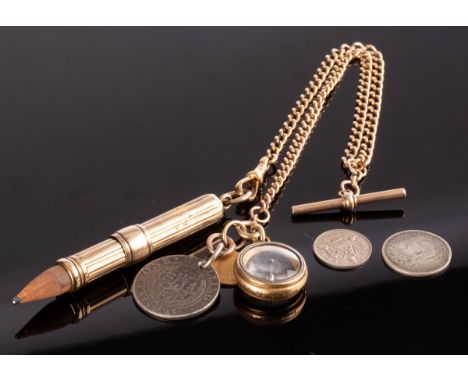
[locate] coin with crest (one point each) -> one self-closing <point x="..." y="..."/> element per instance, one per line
<point x="175" y="288"/>
<point x="342" y="248"/>
<point x="416" y="253"/>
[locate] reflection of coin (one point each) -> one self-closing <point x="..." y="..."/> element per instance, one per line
<point x="175" y="288"/>
<point x="416" y="253"/>
<point x="342" y="248"/>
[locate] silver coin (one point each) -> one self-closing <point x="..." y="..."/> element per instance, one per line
<point x="416" y="253"/>
<point x="342" y="248"/>
<point x="175" y="288"/>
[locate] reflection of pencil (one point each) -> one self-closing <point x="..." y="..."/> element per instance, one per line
<point x="72" y="308"/>
<point x="53" y="316"/>
<point x="127" y="246"/>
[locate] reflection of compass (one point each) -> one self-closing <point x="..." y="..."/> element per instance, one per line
<point x="266" y="313"/>
<point x="270" y="271"/>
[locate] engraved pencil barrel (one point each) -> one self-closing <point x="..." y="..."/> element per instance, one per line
<point x="339" y="202"/>
<point x="136" y="242"/>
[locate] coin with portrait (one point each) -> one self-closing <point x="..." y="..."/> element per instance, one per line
<point x="416" y="253"/>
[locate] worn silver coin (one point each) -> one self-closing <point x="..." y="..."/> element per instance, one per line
<point x="342" y="248"/>
<point x="175" y="288"/>
<point x="416" y="253"/>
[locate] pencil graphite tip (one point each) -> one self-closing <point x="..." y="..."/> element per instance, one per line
<point x="16" y="300"/>
<point x="21" y="334"/>
<point x="52" y="282"/>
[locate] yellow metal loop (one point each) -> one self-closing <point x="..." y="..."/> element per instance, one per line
<point x="212" y="257"/>
<point x="245" y="235"/>
<point x="349" y="202"/>
<point x="251" y="231"/>
<point x="258" y="229"/>
<point x="215" y="239"/>
<point x="246" y="230"/>
<point x="228" y="198"/>
<point x="232" y="223"/>
<point x="349" y="186"/>
<point x="255" y="213"/>
<point x="241" y="230"/>
<point x="253" y="234"/>
<point x="247" y="185"/>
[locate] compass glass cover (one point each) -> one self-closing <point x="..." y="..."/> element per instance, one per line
<point x="270" y="262"/>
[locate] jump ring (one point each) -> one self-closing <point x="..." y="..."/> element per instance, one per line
<point x="256" y="216"/>
<point x="214" y="237"/>
<point x="244" y="234"/>
<point x="349" y="202"/>
<point x="212" y="257"/>
<point x="241" y="199"/>
<point x="224" y="236"/>
<point x="226" y="199"/>
<point x="252" y="190"/>
<point x="260" y="230"/>
<point x="348" y="186"/>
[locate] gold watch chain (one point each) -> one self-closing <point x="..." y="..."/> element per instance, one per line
<point x="299" y="126"/>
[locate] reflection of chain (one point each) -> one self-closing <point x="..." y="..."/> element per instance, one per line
<point x="302" y="120"/>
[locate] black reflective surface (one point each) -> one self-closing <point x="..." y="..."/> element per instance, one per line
<point x="104" y="127"/>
